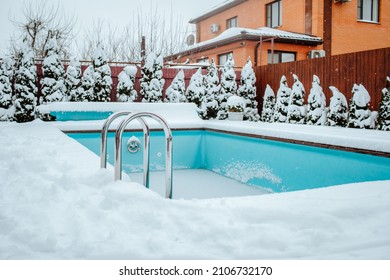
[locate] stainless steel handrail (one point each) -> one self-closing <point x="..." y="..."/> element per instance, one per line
<point x="103" y="146"/>
<point x="168" y="150"/>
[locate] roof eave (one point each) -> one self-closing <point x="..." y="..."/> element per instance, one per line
<point x="242" y="37"/>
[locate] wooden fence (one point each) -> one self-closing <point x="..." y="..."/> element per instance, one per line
<point x="369" y="68"/>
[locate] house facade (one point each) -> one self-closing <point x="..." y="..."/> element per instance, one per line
<point x="274" y="31"/>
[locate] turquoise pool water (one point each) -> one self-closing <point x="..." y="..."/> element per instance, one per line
<point x="80" y="115"/>
<point x="257" y="162"/>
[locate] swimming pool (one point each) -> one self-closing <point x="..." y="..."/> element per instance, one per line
<point x="277" y="166"/>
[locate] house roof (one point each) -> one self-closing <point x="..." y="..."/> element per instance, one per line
<point x="217" y="9"/>
<point x="237" y="34"/>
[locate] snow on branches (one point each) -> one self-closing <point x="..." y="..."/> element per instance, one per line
<point x="282" y="101"/>
<point x="209" y="104"/>
<point x="384" y="108"/>
<point x="73" y="80"/>
<point x="267" y="113"/>
<point x="228" y="86"/>
<point x="25" y="86"/>
<point x="359" y="108"/>
<point x="101" y="76"/>
<point x="175" y="93"/>
<point x="152" y="81"/>
<point x="316" y="113"/>
<point x="52" y="82"/>
<point x="196" y="89"/>
<point x="247" y="90"/>
<point x="338" y="109"/>
<point x="6" y="76"/>
<point x="126" y="81"/>
<point x="296" y="108"/>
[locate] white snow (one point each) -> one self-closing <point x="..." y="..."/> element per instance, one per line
<point x="56" y="203"/>
<point x="235" y="101"/>
<point x="361" y="96"/>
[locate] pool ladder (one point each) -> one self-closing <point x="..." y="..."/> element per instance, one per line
<point x="118" y="144"/>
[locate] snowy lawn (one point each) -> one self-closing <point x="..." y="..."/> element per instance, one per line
<point x="55" y="203"/>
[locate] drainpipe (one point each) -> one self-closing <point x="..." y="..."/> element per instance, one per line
<point x="256" y="53"/>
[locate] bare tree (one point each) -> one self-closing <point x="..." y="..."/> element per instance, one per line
<point x="165" y="34"/>
<point x="40" y="21"/>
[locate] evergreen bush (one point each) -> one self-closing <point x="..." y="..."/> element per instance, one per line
<point x="25" y="85"/>
<point x="267" y="113"/>
<point x="247" y="90"/>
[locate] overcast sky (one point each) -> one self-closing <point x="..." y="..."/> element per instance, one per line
<point x="116" y="12"/>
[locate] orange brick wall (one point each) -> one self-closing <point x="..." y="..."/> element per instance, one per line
<point x="351" y="35"/>
<point x="250" y="15"/>
<point x="348" y="34"/>
<point x="293" y="15"/>
<point x="318" y="18"/>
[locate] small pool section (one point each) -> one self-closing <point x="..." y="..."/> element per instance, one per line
<point x="277" y="166"/>
<point x="80" y="115"/>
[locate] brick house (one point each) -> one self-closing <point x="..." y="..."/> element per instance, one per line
<point x="272" y="31"/>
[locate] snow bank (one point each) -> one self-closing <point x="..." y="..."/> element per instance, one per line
<point x="55" y="203"/>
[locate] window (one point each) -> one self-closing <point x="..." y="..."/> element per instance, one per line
<point x="203" y="59"/>
<point x="274" y="14"/>
<point x="368" y="10"/>
<point x="280" y="56"/>
<point x="222" y="58"/>
<point x="232" y="22"/>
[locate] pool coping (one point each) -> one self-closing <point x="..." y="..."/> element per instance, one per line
<point x="252" y="135"/>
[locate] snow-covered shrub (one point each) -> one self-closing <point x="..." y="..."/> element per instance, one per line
<point x="267" y="113"/>
<point x="6" y="75"/>
<point x="73" y="80"/>
<point x="338" y="109"/>
<point x="175" y="93"/>
<point x="316" y="113"/>
<point x="25" y="86"/>
<point x="52" y="82"/>
<point x="296" y="108"/>
<point x="102" y="76"/>
<point x="384" y="108"/>
<point x="196" y="89"/>
<point x="152" y="81"/>
<point x="282" y="101"/>
<point x="247" y="90"/>
<point x="209" y="105"/>
<point x="228" y="87"/>
<point x="85" y="92"/>
<point x="236" y="104"/>
<point x="126" y="80"/>
<point x="359" y="108"/>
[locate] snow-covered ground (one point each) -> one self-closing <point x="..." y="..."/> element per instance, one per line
<point x="55" y="203"/>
